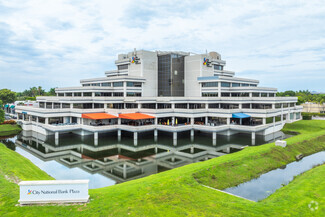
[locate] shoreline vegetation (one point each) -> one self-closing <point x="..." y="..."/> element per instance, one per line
<point x="177" y="193"/>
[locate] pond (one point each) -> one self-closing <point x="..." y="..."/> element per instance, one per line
<point x="268" y="183"/>
<point x="113" y="161"/>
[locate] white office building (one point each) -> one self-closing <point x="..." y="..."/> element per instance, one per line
<point x="162" y="91"/>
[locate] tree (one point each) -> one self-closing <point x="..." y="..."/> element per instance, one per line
<point x="7" y="96"/>
<point x="2" y="116"/>
<point x="51" y="92"/>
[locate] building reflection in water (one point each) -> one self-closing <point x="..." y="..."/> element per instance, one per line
<point x="121" y="161"/>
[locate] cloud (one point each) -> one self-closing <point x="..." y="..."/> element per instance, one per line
<point x="57" y="43"/>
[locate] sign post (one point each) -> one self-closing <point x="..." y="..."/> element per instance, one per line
<point x="54" y="191"/>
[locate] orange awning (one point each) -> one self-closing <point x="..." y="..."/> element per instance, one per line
<point x="135" y="116"/>
<point x="98" y="116"/>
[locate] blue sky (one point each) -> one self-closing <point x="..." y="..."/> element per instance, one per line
<point x="57" y="43"/>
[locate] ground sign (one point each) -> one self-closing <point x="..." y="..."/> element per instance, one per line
<point x="53" y="191"/>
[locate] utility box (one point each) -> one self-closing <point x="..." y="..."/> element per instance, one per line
<point x="281" y="143"/>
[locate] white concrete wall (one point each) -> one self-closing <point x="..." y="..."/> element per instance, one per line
<point x="192" y="71"/>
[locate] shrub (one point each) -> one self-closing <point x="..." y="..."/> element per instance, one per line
<point x="2" y="115"/>
<point x="12" y="122"/>
<point x="307" y="117"/>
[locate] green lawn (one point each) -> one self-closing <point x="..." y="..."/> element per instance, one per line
<point x="8" y="129"/>
<point x="178" y="193"/>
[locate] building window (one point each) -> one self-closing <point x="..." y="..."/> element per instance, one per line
<point x="214" y="105"/>
<point x="256" y="94"/>
<point x="261" y="106"/>
<point x="42" y="105"/>
<point x="77" y="106"/>
<point x="285" y="105"/>
<point x="98" y="105"/>
<point x="131" y="105"/>
<point x="123" y="67"/>
<point x="60" y="94"/>
<point x="118" y="94"/>
<point x="115" y="105"/>
<point x="87" y="94"/>
<point x="48" y="105"/>
<point x="68" y="94"/>
<point x="225" y="84"/>
<point x="133" y="94"/>
<point x="148" y="105"/>
<point x="225" y="94"/>
<point x="271" y="95"/>
<point x="164" y="105"/>
<point x="86" y="85"/>
<point x="181" y="106"/>
<point x="118" y="84"/>
<point x="65" y="105"/>
<point x="210" y="84"/>
<point x="229" y="106"/>
<point x="218" y="67"/>
<point x="245" y="85"/>
<point x="95" y="84"/>
<point x="246" y="106"/>
<point x="106" y="84"/>
<point x="278" y="105"/>
<point x="263" y="94"/>
<point x="253" y="85"/>
<point x="235" y="84"/>
<point x="56" y="105"/>
<point x="133" y="84"/>
<point x="76" y="94"/>
<point x="210" y="94"/>
<point x="196" y="106"/>
<point x="244" y="94"/>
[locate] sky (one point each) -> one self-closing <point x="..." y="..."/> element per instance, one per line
<point x="55" y="43"/>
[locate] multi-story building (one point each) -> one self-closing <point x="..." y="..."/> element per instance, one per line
<point x="163" y="91"/>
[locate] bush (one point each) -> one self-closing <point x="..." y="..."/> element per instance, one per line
<point x="307" y="117"/>
<point x="2" y="115"/>
<point x="12" y="122"/>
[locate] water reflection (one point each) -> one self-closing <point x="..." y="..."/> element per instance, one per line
<point x="115" y="161"/>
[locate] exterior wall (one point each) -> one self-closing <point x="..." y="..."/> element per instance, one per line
<point x="149" y="63"/>
<point x="313" y="108"/>
<point x="192" y="71"/>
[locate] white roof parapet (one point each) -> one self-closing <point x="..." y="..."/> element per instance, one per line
<point x="114" y="78"/>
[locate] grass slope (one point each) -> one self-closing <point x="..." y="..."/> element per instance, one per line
<point x="8" y="129"/>
<point x="177" y="193"/>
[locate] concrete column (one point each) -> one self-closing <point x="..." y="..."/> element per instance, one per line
<point x="46" y="120"/>
<point x="175" y="138"/>
<point x="96" y="138"/>
<point x="119" y="133"/>
<point x="253" y="135"/>
<point x="30" y="118"/>
<point x="228" y="121"/>
<point x="135" y="138"/>
<point x="192" y="135"/>
<point x="93" y="94"/>
<point x="70" y="119"/>
<point x="119" y="120"/>
<point x="240" y="121"/>
<point x="37" y="120"/>
<point x="251" y="94"/>
<point x="273" y="106"/>
<point x="156" y="121"/>
<point x="219" y="89"/>
<point x="71" y="105"/>
<point x="240" y="106"/>
<point x="214" y="138"/>
<point x="173" y="105"/>
<point x="206" y="120"/>
<point x="192" y="121"/>
<point x="56" y="138"/>
<point x="155" y="134"/>
<point x="192" y="150"/>
<point x="105" y="105"/>
<point x="124" y="171"/>
<point x="264" y="121"/>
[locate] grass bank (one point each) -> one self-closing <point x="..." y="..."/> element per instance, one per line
<point x="177" y="193"/>
<point x="8" y="129"/>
